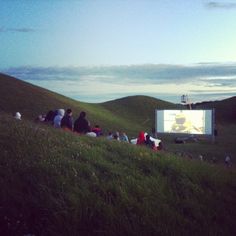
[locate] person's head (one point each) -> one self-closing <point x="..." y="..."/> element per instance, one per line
<point x="69" y="112"/>
<point x="17" y="116"/>
<point x="82" y="114"/>
<point x="61" y="112"/>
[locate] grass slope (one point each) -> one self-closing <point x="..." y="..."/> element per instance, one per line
<point x="140" y="109"/>
<point x="130" y="114"/>
<point x="30" y="100"/>
<point x="57" y="183"/>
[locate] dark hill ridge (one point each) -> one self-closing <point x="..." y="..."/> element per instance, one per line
<point x="140" y="109"/>
<point x="225" y="109"/>
<point x="30" y="100"/>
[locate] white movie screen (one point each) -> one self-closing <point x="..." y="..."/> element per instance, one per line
<point x="184" y="121"/>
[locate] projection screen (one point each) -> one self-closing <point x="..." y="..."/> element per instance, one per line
<point x="185" y="121"/>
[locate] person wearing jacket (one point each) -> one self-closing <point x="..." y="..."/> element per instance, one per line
<point x="81" y="124"/>
<point x="67" y="120"/>
<point x="57" y="119"/>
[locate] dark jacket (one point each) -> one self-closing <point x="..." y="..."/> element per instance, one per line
<point x="67" y="122"/>
<point x="81" y="125"/>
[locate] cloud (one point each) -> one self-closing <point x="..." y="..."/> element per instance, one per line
<point x="17" y="30"/>
<point x="221" y="5"/>
<point x="108" y="82"/>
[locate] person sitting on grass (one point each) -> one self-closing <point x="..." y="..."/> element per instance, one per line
<point x="109" y="136"/>
<point x="124" y="137"/>
<point x="116" y="136"/>
<point x="150" y="143"/>
<point x="141" y="138"/>
<point x="50" y="116"/>
<point x="81" y="124"/>
<point x="97" y="130"/>
<point x="67" y="120"/>
<point x="17" y="116"/>
<point x="58" y="118"/>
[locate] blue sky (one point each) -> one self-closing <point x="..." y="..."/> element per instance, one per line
<point x="119" y="32"/>
<point x="70" y="33"/>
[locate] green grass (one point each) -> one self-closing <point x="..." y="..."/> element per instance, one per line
<point x="59" y="183"/>
<point x="30" y="101"/>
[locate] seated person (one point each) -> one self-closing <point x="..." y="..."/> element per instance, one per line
<point x="81" y="124"/>
<point x="67" y="121"/>
<point x="124" y="137"/>
<point x="116" y="136"/>
<point x="97" y="130"/>
<point x="109" y="136"/>
<point x="141" y="138"/>
<point x="57" y="119"/>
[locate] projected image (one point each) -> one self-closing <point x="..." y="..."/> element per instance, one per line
<point x="184" y="121"/>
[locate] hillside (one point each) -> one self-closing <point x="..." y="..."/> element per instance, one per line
<point x="140" y="109"/>
<point x="30" y="100"/>
<point x="225" y="110"/>
<point x="129" y="114"/>
<point x="57" y="183"/>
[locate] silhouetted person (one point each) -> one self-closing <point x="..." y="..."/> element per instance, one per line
<point x="67" y="120"/>
<point x="81" y="125"/>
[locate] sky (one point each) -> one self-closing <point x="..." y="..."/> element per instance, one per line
<point x="67" y="35"/>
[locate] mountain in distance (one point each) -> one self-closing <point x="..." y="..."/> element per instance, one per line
<point x="132" y="113"/>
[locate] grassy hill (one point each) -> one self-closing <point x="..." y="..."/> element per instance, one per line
<point x="140" y="109"/>
<point x="129" y="114"/>
<point x="225" y="110"/>
<point x="30" y="100"/>
<point x="57" y="183"/>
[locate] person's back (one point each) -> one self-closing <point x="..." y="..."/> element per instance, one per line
<point x="124" y="137"/>
<point x="67" y="120"/>
<point x="109" y="136"/>
<point x="97" y="130"/>
<point x="81" y="125"/>
<point x="141" y="138"/>
<point x="58" y="118"/>
<point x="50" y="116"/>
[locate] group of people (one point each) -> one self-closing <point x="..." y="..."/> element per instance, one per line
<point x="145" y="139"/>
<point x="63" y="119"/>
